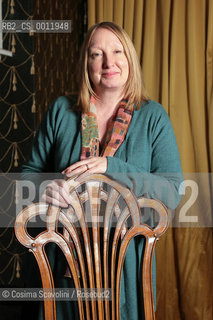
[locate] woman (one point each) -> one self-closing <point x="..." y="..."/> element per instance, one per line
<point x="115" y="130"/>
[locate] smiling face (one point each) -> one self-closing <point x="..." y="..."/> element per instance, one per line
<point x="107" y="63"/>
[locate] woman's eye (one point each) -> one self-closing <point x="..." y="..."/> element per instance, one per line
<point x="118" y="51"/>
<point x="95" y="55"/>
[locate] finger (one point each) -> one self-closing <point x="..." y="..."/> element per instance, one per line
<point x="73" y="166"/>
<point x="59" y="184"/>
<point x="53" y="201"/>
<point x="94" y="169"/>
<point x="79" y="164"/>
<point x="65" y="194"/>
<point x="83" y="175"/>
<point x="58" y="193"/>
<point x="77" y="171"/>
<point x="54" y="194"/>
<point x="80" y="172"/>
<point x="96" y="164"/>
<point x="71" y="175"/>
<point x="63" y="187"/>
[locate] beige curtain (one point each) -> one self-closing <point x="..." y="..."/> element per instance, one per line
<point x="174" y="42"/>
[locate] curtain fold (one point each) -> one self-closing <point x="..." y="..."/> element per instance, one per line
<point x="174" y="42"/>
<point x="209" y="81"/>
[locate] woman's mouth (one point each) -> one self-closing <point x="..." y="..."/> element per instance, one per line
<point x="109" y="74"/>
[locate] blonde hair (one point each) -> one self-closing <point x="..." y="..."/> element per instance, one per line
<point x="134" y="89"/>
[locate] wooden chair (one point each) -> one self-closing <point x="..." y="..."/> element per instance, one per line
<point x="103" y="218"/>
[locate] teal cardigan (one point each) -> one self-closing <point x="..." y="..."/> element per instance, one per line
<point x="147" y="162"/>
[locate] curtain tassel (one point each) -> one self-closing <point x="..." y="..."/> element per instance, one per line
<point x="14" y="80"/>
<point x="12" y="5"/>
<point x="31" y="30"/>
<point x="16" y="193"/>
<point x="16" y="157"/>
<point x="13" y="43"/>
<point x="18" y="268"/>
<point x="15" y="118"/>
<point x="32" y="69"/>
<point x="33" y="109"/>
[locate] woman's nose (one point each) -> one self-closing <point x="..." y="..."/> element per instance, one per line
<point x="108" y="60"/>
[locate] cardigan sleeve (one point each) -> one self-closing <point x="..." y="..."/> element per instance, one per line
<point x="55" y="138"/>
<point x="39" y="160"/>
<point x="163" y="180"/>
<point x="39" y="167"/>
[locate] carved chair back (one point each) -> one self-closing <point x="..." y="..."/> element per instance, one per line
<point x="104" y="216"/>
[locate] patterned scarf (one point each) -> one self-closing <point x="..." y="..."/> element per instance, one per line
<point x="116" y="131"/>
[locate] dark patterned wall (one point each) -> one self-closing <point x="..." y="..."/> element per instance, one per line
<point x="41" y="69"/>
<point x="56" y="54"/>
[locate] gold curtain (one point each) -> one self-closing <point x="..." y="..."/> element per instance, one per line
<point x="174" y="42"/>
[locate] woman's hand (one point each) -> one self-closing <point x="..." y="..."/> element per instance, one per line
<point x="87" y="166"/>
<point x="57" y="193"/>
